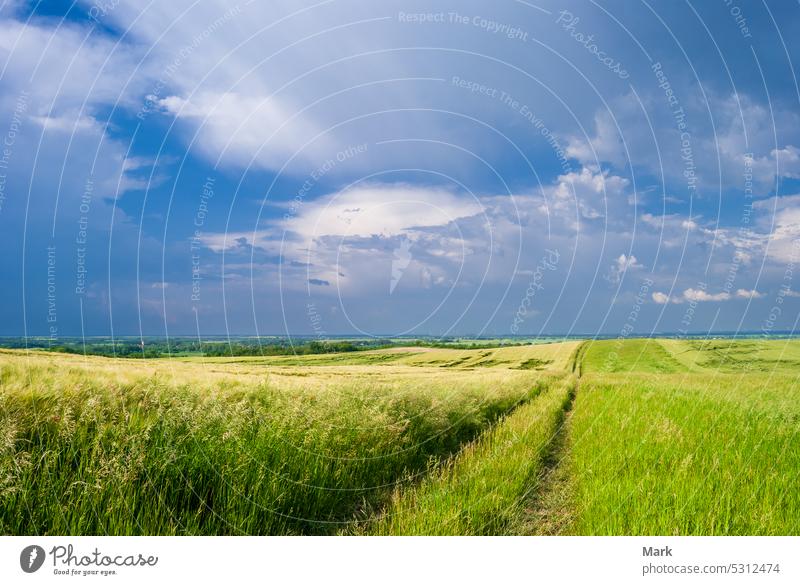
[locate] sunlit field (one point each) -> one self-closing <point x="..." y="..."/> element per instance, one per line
<point x="607" y="437"/>
<point x="698" y="437"/>
<point x="96" y="445"/>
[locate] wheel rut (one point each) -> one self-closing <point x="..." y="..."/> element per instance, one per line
<point x="549" y="509"/>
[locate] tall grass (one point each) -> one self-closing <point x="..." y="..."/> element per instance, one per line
<point x="85" y="453"/>
<point x="666" y="437"/>
<point x="484" y="488"/>
<point x="686" y="454"/>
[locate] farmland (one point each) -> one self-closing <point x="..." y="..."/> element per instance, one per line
<point x="637" y="436"/>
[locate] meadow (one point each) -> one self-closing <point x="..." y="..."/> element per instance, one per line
<point x="93" y="445"/>
<point x="635" y="436"/>
<point x="697" y="437"/>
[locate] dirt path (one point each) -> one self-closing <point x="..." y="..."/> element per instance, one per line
<point x="549" y="509"/>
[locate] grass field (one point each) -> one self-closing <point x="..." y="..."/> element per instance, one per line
<point x="699" y="437"/>
<point x="96" y="445"/>
<point x="483" y="490"/>
<point x="609" y="437"/>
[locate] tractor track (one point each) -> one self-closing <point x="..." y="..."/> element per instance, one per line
<point x="549" y="508"/>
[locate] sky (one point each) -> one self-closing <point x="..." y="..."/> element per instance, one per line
<point x="447" y="168"/>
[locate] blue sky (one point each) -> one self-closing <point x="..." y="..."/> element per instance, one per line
<point x="446" y="168"/>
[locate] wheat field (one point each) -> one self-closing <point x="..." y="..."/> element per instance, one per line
<point x="657" y="436"/>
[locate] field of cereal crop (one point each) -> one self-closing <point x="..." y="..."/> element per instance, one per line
<point x="639" y="436"/>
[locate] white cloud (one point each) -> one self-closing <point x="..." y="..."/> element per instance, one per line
<point x="788" y="160"/>
<point x="743" y="293"/>
<point x="703" y="296"/>
<point x="660" y="298"/>
<point x="347" y="237"/>
<point x="355" y="232"/>
<point x="67" y="123"/>
<point x="247" y="129"/>
<point x="782" y="216"/>
<point x="68" y="71"/>
<point x="605" y="146"/>
<point x="380" y="210"/>
<point x="588" y="194"/>
<point x="620" y="266"/>
<point x="742" y="126"/>
<point x="253" y="84"/>
<point x="243" y="240"/>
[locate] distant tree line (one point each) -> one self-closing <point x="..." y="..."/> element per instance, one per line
<point x="180" y="346"/>
<point x="155" y="348"/>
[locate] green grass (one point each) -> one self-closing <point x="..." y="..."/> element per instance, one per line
<point x="534" y="364"/>
<point x="736" y="356"/>
<point x="482" y="491"/>
<point x="332" y="359"/>
<point x="667" y="436"/>
<point x="88" y="451"/>
<point x="686" y="454"/>
<point x="687" y="437"/>
<point x="633" y="355"/>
